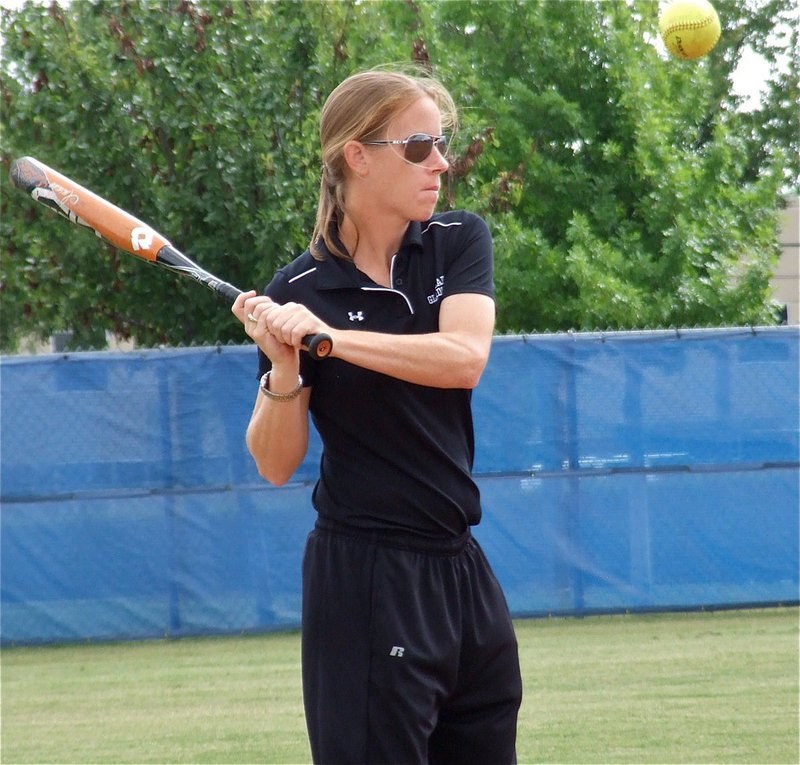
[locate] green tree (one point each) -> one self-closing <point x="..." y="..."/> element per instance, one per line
<point x="199" y="119"/>
<point x="625" y="189"/>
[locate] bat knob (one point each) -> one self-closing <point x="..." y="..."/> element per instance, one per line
<point x="319" y="346"/>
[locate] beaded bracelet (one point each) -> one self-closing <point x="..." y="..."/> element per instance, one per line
<point x="264" y="385"/>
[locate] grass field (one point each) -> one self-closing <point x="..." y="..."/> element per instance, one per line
<point x="719" y="687"/>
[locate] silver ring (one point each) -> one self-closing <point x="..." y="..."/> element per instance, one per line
<point x="251" y="317"/>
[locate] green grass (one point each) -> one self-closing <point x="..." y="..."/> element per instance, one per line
<point x="716" y="687"/>
<point x="702" y="688"/>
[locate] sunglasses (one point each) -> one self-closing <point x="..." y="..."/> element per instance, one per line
<point x="417" y="147"/>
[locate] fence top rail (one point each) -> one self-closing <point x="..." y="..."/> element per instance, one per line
<point x="601" y="336"/>
<point x="676" y="333"/>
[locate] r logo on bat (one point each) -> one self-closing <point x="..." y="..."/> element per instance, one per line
<point x="141" y="238"/>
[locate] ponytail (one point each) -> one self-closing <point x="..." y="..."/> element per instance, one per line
<point x="330" y="214"/>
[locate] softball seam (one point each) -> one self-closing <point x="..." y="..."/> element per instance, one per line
<point x="679" y="26"/>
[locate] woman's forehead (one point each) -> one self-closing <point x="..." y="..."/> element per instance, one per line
<point x="421" y="116"/>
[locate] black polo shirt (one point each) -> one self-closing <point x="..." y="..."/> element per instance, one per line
<point x="396" y="456"/>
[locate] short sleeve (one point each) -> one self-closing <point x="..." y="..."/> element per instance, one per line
<point x="470" y="268"/>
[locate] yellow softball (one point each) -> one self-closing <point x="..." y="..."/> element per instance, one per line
<point x="689" y="28"/>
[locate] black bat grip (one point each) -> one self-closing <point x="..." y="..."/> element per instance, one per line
<point x="319" y="346"/>
<point x="227" y="291"/>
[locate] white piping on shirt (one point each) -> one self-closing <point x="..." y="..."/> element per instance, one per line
<point x="389" y="289"/>
<point x="440" y="223"/>
<point x="300" y="276"/>
<point x="386" y="289"/>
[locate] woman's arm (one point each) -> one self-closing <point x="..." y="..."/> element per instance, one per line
<point x="277" y="435"/>
<point x="453" y="357"/>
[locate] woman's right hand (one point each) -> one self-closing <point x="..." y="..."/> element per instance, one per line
<point x="252" y="310"/>
<point x="278" y="329"/>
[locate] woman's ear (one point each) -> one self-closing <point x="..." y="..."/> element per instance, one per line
<point x="355" y="155"/>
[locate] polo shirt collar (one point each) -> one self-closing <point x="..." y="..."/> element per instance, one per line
<point x="413" y="236"/>
<point x="337" y="273"/>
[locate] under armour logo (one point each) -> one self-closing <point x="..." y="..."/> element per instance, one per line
<point x="356" y="315"/>
<point x="397" y="651"/>
<point x="141" y="238"/>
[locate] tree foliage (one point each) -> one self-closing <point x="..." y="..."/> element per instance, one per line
<point x="625" y="189"/>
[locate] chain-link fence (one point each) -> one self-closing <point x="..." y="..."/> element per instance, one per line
<point x="618" y="471"/>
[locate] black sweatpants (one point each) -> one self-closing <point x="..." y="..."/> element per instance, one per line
<point x="409" y="653"/>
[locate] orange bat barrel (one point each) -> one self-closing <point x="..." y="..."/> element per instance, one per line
<point x="81" y="206"/>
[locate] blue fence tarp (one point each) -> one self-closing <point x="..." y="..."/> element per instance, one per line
<point x="620" y="471"/>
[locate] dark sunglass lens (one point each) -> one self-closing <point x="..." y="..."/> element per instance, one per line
<point x="418" y="148"/>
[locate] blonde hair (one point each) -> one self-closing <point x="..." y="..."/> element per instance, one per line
<point x="360" y="108"/>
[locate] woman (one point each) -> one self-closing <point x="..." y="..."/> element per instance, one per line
<point x="409" y="653"/>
